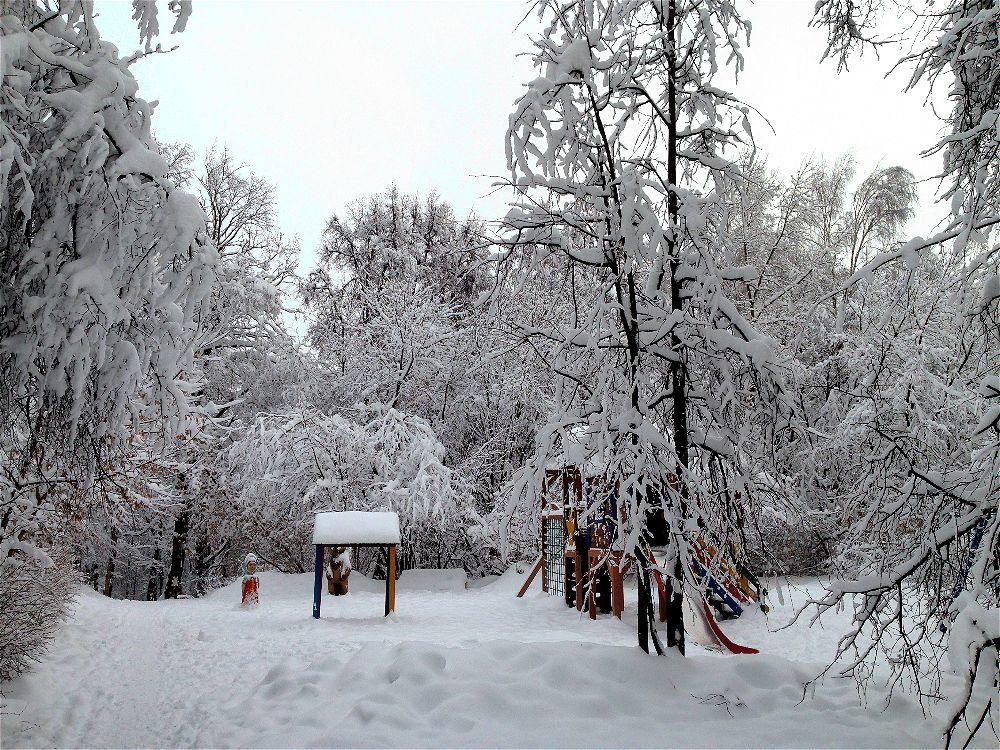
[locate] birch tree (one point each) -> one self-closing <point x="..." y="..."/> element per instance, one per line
<point x="619" y="153"/>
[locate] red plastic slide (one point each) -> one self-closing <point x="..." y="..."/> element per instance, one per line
<point x="702" y="626"/>
<point x="723" y="639"/>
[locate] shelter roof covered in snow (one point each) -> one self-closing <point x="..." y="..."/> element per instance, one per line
<point x="356" y="527"/>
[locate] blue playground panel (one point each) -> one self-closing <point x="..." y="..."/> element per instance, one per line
<point x="717" y="588"/>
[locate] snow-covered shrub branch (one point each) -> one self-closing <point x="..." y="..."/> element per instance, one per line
<point x="36" y="598"/>
<point x="958" y="51"/>
<point x="900" y="465"/>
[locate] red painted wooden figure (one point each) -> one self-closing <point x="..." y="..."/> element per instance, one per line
<point x="251" y="586"/>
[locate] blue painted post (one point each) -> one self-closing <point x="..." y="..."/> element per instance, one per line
<point x="318" y="583"/>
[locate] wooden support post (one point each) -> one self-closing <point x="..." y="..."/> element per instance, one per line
<point x="318" y="582"/>
<point x="578" y="580"/>
<point x="593" y="560"/>
<point x="390" y="582"/>
<point x="591" y="596"/>
<point x="583" y="562"/>
<point x="617" y="586"/>
<point x="531" y="576"/>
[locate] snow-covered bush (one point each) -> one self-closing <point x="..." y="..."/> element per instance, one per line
<point x="35" y="597"/>
<point x="412" y="480"/>
<point x="283" y="469"/>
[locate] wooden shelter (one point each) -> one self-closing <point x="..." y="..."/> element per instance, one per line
<point x="356" y="529"/>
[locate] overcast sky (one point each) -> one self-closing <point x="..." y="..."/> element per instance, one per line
<point x="335" y="100"/>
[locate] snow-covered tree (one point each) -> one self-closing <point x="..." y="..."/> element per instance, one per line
<point x="956" y="47"/>
<point x="247" y="361"/>
<point x="621" y="152"/>
<point x="804" y="237"/>
<point x="282" y="469"/>
<point x="286" y="468"/>
<point x="903" y="443"/>
<point x="950" y="507"/>
<point x="106" y="269"/>
<point x="393" y="321"/>
<point x="389" y="301"/>
<point x="412" y="479"/>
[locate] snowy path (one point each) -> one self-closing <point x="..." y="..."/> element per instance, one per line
<point x="474" y="668"/>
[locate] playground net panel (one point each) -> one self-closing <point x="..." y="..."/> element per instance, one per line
<point x="555" y="557"/>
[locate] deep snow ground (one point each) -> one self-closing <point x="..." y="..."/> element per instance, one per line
<point x="453" y="668"/>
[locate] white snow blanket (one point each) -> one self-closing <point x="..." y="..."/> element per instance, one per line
<point x="356" y="527"/>
<point x="431" y="579"/>
<point x="477" y="668"/>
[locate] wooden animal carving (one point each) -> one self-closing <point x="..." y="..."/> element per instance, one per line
<point x="338" y="569"/>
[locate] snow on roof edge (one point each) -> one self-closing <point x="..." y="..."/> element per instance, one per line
<point x="356" y="527"/>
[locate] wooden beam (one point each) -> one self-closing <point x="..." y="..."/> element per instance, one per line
<point x="390" y="582"/>
<point x="531" y="576"/>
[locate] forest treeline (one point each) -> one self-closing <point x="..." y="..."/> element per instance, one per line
<point x="768" y="356"/>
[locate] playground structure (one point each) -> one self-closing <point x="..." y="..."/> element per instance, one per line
<point x="356" y="529"/>
<point x="582" y="564"/>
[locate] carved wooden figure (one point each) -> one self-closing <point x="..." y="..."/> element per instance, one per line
<point x="338" y="570"/>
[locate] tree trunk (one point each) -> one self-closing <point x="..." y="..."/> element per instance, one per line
<point x="155" y="578"/>
<point x="178" y="551"/>
<point x="109" y="574"/>
<point x="202" y="556"/>
<point x="647" y="612"/>
<point x="675" y="607"/>
<point x="678" y="378"/>
<point x="642" y="619"/>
